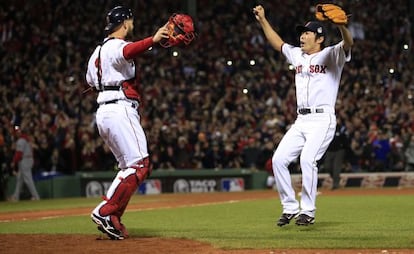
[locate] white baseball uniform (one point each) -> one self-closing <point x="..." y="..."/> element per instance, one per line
<point x="117" y="117"/>
<point x="317" y="82"/>
<point x="118" y="121"/>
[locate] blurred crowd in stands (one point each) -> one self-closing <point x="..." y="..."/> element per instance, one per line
<point x="224" y="102"/>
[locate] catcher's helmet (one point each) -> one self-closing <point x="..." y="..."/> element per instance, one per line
<point x="116" y="16"/>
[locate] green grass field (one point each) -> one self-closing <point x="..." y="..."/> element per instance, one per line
<point x="342" y="222"/>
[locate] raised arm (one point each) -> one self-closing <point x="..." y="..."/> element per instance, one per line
<point x="132" y="50"/>
<point x="271" y="35"/>
<point x="346" y="36"/>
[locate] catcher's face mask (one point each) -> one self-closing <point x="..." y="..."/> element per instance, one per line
<point x="180" y="30"/>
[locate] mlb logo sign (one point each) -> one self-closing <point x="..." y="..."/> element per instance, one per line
<point x="232" y="184"/>
<point x="149" y="187"/>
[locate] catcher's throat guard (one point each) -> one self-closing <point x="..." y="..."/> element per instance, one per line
<point x="180" y="30"/>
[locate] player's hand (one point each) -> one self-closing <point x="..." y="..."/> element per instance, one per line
<point x="162" y="33"/>
<point x="259" y="12"/>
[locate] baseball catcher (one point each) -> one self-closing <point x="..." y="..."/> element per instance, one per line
<point x="181" y="31"/>
<point x="332" y="13"/>
<point x="113" y="73"/>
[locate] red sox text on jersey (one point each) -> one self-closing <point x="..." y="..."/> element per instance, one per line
<point x="314" y="68"/>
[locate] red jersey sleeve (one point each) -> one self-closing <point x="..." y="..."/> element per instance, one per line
<point x="133" y="49"/>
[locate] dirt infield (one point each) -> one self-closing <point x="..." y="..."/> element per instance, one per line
<point x="38" y="243"/>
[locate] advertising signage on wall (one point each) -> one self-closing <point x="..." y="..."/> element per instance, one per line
<point x="96" y="187"/>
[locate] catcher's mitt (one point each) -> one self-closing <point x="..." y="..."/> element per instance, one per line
<point x="180" y="30"/>
<point x="331" y="12"/>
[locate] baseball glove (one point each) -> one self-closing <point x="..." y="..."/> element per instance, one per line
<point x="180" y="30"/>
<point x="331" y="12"/>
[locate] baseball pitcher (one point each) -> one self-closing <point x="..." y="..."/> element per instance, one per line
<point x="318" y="72"/>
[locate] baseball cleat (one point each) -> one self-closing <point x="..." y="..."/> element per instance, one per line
<point x="304" y="220"/>
<point x="286" y="218"/>
<point x="106" y="227"/>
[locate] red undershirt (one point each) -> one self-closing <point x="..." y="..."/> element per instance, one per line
<point x="134" y="49"/>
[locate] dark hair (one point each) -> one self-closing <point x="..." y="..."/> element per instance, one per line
<point x="317" y="36"/>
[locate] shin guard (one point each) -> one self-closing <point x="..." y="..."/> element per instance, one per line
<point x="121" y="196"/>
<point x="117" y="203"/>
<point x="143" y="170"/>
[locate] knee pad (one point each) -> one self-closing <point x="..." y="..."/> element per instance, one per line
<point x="143" y="169"/>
